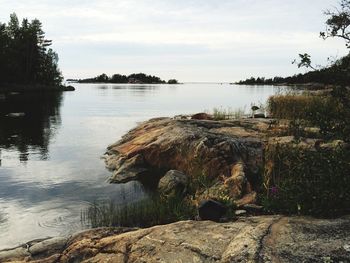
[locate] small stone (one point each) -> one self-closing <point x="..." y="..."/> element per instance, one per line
<point x="240" y="212"/>
<point x="16" y="114"/>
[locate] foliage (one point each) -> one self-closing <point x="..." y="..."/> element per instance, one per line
<point x="25" y="54"/>
<point x="149" y="212"/>
<point x="118" y="78"/>
<point x="305" y="61"/>
<point x="338" y="23"/>
<point x="307" y="181"/>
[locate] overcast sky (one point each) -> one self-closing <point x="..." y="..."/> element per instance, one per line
<point x="190" y="40"/>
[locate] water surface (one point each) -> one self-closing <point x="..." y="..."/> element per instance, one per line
<point x="50" y="167"/>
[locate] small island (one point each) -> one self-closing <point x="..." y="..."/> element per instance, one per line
<point x="135" y="78"/>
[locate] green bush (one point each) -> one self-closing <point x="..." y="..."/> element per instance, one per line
<point x="149" y="212"/>
<point x="307" y="181"/>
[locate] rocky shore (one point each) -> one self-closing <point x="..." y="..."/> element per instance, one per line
<point x="251" y="239"/>
<point x="166" y="153"/>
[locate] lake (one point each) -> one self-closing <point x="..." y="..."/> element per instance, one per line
<point x="51" y="167"/>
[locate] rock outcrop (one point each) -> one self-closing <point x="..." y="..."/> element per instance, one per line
<point x="229" y="150"/>
<point x="252" y="239"/>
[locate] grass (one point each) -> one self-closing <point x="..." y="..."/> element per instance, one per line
<point x="149" y="212"/>
<point x="226" y="114"/>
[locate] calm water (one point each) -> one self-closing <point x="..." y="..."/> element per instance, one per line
<point x="50" y="159"/>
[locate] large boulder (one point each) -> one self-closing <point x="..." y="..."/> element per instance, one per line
<point x="173" y="183"/>
<point x="195" y="147"/>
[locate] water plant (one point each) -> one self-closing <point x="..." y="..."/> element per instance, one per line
<point x="154" y="210"/>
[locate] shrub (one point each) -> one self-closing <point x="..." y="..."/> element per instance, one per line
<point x="307" y="181"/>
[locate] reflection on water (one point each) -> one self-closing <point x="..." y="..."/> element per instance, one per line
<point x="40" y="120"/>
<point x="50" y="158"/>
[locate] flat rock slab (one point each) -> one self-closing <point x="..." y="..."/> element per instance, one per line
<point x="252" y="239"/>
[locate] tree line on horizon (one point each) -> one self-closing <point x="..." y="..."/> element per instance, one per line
<point x="25" y="54"/>
<point x="135" y="78"/>
<point x="338" y="72"/>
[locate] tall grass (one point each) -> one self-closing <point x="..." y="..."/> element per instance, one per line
<point x="228" y="113"/>
<point x="292" y="106"/>
<point x="149" y="212"/>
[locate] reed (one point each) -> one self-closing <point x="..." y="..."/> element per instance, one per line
<point x="149" y="212"/>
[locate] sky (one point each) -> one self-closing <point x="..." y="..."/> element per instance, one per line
<point x="190" y="40"/>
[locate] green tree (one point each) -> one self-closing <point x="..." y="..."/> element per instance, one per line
<point x="25" y="54"/>
<point x="338" y="23"/>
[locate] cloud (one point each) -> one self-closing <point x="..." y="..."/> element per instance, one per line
<point x="190" y="34"/>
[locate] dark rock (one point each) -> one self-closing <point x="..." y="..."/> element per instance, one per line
<point x="211" y="210"/>
<point x="253" y="208"/>
<point x="68" y="88"/>
<point x="201" y="116"/>
<point x="259" y="115"/>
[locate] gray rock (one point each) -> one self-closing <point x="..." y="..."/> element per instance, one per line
<point x="48" y="246"/>
<point x="13" y="254"/>
<point x="240" y="212"/>
<point x="173" y="183"/>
